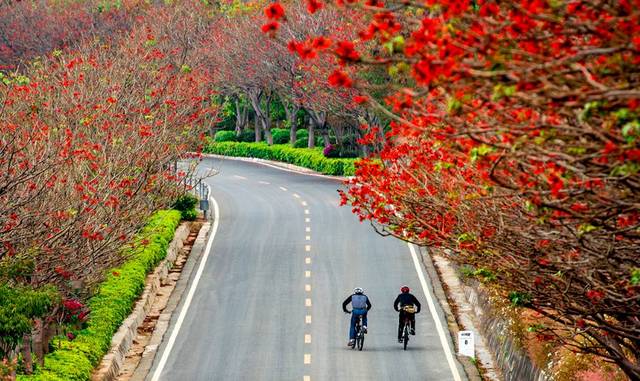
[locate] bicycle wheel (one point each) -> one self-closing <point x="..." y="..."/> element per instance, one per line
<point x="405" y="338"/>
<point x="353" y="345"/>
<point x="360" y="340"/>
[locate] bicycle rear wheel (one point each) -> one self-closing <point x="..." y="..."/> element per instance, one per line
<point x="360" y="341"/>
<point x="405" y="338"/>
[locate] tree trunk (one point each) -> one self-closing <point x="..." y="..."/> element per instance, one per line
<point x="318" y="121"/>
<point x="262" y="115"/>
<point x="242" y="116"/>
<point x="266" y="120"/>
<point x="311" y="141"/>
<point x="325" y="137"/>
<point x="38" y="335"/>
<point x="256" y="129"/>
<point x="292" y="113"/>
<point x="49" y="333"/>
<point x="27" y="361"/>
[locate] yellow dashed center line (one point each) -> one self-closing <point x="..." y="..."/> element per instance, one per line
<point x="283" y="188"/>
<point x="308" y="238"/>
<point x="307" y="302"/>
<point x="307" y="287"/>
<point x="307" y="339"/>
<point x="307" y="274"/>
<point x="307" y="260"/>
<point x="307" y="219"/>
<point x="307" y="229"/>
<point x="307" y="247"/>
<point x="306" y="378"/>
<point x="307" y="358"/>
<point x="306" y="211"/>
<point x="296" y="195"/>
<point x="307" y="319"/>
<point x="304" y="203"/>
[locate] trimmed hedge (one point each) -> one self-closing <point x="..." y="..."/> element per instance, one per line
<point x="280" y="135"/>
<point x="225" y="136"/>
<point x="112" y="303"/>
<point x="303" y="157"/>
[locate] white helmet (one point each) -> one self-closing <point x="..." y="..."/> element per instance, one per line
<point x="358" y="290"/>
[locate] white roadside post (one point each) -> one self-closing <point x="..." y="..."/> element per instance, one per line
<point x="465" y="344"/>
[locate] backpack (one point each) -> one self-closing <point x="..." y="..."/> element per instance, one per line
<point x="359" y="301"/>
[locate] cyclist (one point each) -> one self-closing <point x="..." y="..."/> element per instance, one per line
<point x="360" y="305"/>
<point x="405" y="301"/>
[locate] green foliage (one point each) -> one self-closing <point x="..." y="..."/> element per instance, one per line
<point x="186" y="204"/>
<point x="635" y="277"/>
<point x="189" y="215"/>
<point x="301" y="143"/>
<point x="225" y="136"/>
<point x="18" y="307"/>
<point x="247" y="136"/>
<point x="303" y="157"/>
<point x="302" y="133"/>
<point x="112" y="303"/>
<point x="519" y="299"/>
<point x="280" y="135"/>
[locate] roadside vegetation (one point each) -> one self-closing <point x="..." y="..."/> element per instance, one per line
<point x="504" y="131"/>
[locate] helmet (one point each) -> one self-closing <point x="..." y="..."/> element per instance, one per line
<point x="358" y="290"/>
<point x="404" y="289"/>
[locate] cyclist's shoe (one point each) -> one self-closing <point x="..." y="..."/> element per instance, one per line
<point x="400" y="340"/>
<point x="364" y="329"/>
<point x="413" y="331"/>
<point x="350" y="343"/>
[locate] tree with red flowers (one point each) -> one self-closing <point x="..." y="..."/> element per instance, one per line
<point x="89" y="140"/>
<point x="514" y="143"/>
<point x="34" y="28"/>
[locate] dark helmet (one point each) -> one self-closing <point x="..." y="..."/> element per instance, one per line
<point x="404" y="289"/>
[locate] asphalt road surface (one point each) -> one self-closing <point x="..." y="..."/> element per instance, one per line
<point x="267" y="304"/>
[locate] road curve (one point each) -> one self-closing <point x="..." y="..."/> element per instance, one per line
<point x="268" y="303"/>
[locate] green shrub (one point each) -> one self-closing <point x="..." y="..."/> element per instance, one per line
<point x="112" y="303"/>
<point x="303" y="157"/>
<point x="301" y="143"/>
<point x="186" y="204"/>
<point x="189" y="215"/>
<point x="247" y="136"/>
<point x="225" y="136"/>
<point x="302" y="134"/>
<point x="280" y="135"/>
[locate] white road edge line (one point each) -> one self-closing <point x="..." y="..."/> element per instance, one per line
<point x="192" y="290"/>
<point x="434" y="314"/>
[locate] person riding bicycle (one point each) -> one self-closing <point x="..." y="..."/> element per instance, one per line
<point x="404" y="304"/>
<point x="360" y="305"/>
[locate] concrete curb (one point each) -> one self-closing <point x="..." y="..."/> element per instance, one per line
<point x="277" y="165"/>
<point x="112" y="362"/>
<point x="162" y="325"/>
<point x="466" y="317"/>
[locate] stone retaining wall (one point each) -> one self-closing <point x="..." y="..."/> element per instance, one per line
<point x="111" y="363"/>
<point x="513" y="361"/>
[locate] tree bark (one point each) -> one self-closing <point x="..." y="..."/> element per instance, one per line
<point x="256" y="129"/>
<point x="38" y="335"/>
<point x="242" y="116"/>
<point x="318" y="121"/>
<point x="262" y="115"/>
<point x="291" y="110"/>
<point x="27" y="361"/>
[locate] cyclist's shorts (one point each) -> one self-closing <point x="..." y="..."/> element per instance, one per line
<point x="359" y="311"/>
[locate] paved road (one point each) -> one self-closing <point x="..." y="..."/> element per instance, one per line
<point x="267" y="306"/>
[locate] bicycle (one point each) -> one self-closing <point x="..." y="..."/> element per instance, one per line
<point x="407" y="324"/>
<point x="359" y="341"/>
